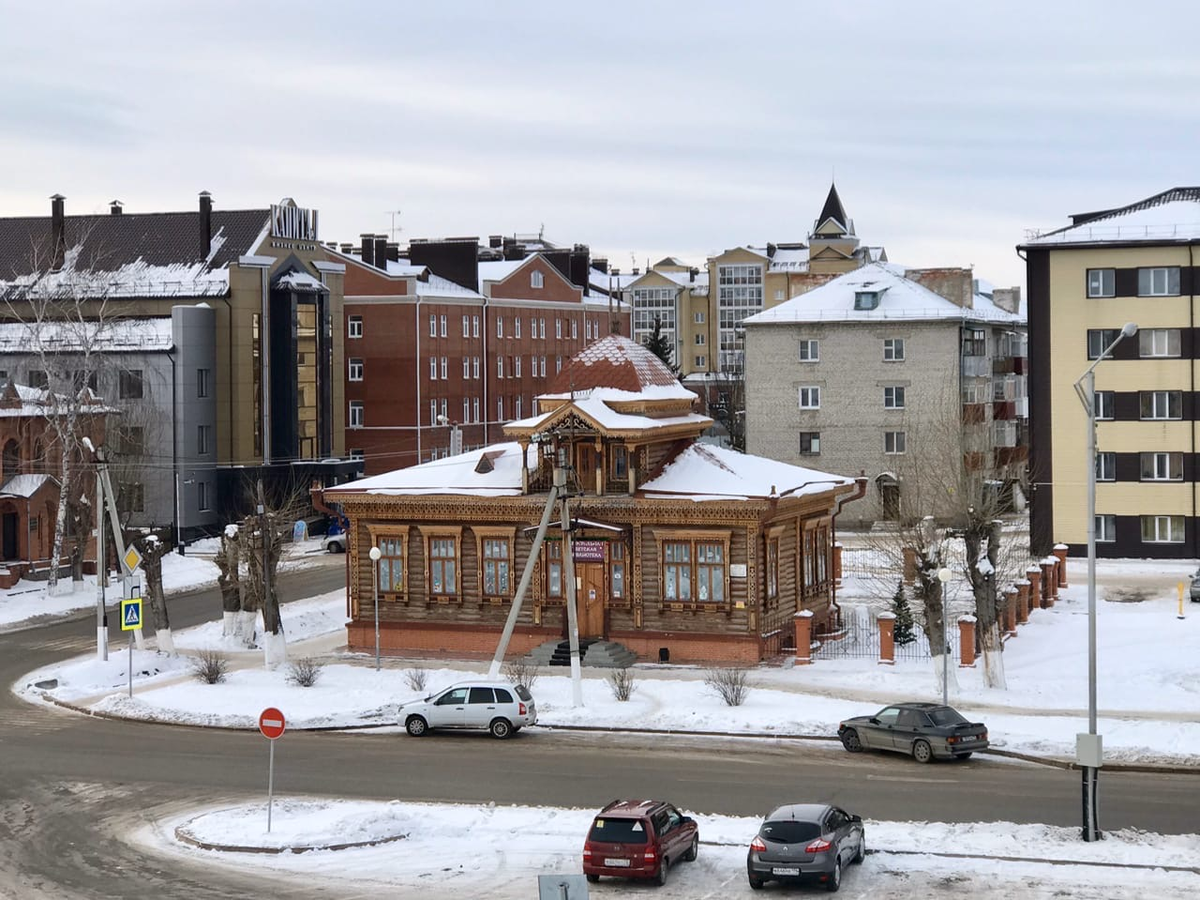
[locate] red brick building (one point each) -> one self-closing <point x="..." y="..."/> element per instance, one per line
<point x="442" y="348"/>
<point x="30" y="463"/>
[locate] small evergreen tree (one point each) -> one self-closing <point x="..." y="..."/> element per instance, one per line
<point x="903" y="626"/>
<point x="660" y="346"/>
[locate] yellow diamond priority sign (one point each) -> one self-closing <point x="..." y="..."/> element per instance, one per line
<point x="133" y="559"/>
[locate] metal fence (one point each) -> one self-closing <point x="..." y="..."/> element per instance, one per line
<point x="859" y="639"/>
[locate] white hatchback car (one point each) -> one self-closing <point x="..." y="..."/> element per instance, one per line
<point x="495" y="706"/>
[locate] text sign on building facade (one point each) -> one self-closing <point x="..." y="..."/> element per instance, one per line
<point x="587" y="551"/>
<point x="293" y="222"/>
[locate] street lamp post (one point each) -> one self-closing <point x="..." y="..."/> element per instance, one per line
<point x="1089" y="747"/>
<point x="179" y="513"/>
<point x="375" y="553"/>
<point x="944" y="576"/>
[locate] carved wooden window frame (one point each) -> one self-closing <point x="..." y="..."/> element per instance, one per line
<point x="552" y="554"/>
<point x="771" y="567"/>
<point x="694" y="540"/>
<point x="385" y="537"/>
<point x="443" y="532"/>
<point x="482" y="536"/>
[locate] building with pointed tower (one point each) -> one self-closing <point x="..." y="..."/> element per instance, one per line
<point x="680" y="550"/>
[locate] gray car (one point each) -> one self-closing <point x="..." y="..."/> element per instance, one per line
<point x="495" y="706"/>
<point x="806" y="841"/>
<point x="926" y="731"/>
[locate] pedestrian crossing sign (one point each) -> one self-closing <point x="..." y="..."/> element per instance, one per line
<point x="131" y="614"/>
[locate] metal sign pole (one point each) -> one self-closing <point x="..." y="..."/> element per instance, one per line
<point x="270" y="785"/>
<point x="131" y="665"/>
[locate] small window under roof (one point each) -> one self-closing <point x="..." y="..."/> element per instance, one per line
<point x="867" y="298"/>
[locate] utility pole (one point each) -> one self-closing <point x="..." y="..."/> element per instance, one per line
<point x="101" y="572"/>
<point x="569" y="575"/>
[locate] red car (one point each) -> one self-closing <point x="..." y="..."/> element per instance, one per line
<point x="639" y="839"/>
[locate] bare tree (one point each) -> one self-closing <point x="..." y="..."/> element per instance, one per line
<point x="153" y="549"/>
<point x="66" y="318"/>
<point x="238" y="616"/>
<point x="957" y="485"/>
<point x="262" y="538"/>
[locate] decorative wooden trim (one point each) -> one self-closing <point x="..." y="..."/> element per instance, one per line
<point x="428" y="533"/>
<point x="377" y="530"/>
<point x="508" y="533"/>
<point x="693" y="537"/>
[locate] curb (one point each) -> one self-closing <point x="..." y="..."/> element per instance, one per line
<point x="184" y="837"/>
<point x="1052" y="762"/>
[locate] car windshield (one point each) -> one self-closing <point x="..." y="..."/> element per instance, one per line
<point x="523" y="692"/>
<point x="618" y="831"/>
<point x="944" y="715"/>
<point x="789" y="831"/>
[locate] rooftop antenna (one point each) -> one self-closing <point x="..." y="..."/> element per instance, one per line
<point x="394" y="213"/>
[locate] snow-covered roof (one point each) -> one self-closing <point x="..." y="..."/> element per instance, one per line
<point x="1173" y="215"/>
<point x="601" y="281"/>
<point x="404" y="269"/>
<point x="789" y="259"/>
<point x="594" y="405"/>
<point x="707" y="472"/>
<point x="500" y="269"/>
<point x="453" y="475"/>
<point x="116" y="335"/>
<point x="300" y="281"/>
<point x="614" y="361"/>
<point x="437" y="286"/>
<point x="23" y="486"/>
<point x="900" y="298"/>
<point x="686" y="279"/>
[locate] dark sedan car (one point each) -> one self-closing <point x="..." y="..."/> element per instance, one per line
<point x="810" y="841"/>
<point x="924" y="730"/>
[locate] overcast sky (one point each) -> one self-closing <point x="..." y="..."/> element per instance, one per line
<point x="642" y="129"/>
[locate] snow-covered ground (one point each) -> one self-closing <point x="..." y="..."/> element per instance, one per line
<point x="1148" y="696"/>
<point x="31" y="603"/>
<point x="487" y="851"/>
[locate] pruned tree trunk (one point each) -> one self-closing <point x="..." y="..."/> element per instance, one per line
<point x="153" y="550"/>
<point x="65" y="472"/>
<point x="263" y="546"/>
<point x="229" y="581"/>
<point x="932" y="595"/>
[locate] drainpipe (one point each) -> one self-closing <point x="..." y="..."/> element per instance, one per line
<point x="229" y="379"/>
<point x="1192" y="378"/>
<point x="417" y="365"/>
<point x="860" y="491"/>
<point x="175" y="454"/>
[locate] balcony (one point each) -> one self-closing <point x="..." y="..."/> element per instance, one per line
<point x="1003" y="410"/>
<point x="976" y="367"/>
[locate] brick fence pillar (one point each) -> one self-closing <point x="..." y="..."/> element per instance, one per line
<point x="966" y="641"/>
<point x="887" y="639"/>
<point x="1022" y="601"/>
<point x="1049" y="582"/>
<point x="1060" y="551"/>
<point x="837" y="563"/>
<point x="910" y="565"/>
<point x="803" y="620"/>
<point x="1034" y="574"/>
<point x="1010" y="610"/>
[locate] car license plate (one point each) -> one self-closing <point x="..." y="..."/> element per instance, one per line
<point x="617" y="863"/>
<point x="786" y="870"/>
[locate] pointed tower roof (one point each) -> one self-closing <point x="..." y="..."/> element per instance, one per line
<point x="833" y="210"/>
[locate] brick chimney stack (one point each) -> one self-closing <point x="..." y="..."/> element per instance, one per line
<point x="205" y="224"/>
<point x="114" y="208"/>
<point x="58" y="232"/>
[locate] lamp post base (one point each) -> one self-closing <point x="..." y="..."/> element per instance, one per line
<point x="1091" y="814"/>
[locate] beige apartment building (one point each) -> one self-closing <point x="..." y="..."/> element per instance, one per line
<point x="1135" y="263"/>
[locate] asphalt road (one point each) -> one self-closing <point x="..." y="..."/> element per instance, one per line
<point x="73" y="787"/>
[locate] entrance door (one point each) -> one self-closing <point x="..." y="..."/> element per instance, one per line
<point x="585" y="466"/>
<point x="8" y="541"/>
<point x="589" y="603"/>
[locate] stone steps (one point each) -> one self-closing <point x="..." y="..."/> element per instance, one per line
<point x="598" y="654"/>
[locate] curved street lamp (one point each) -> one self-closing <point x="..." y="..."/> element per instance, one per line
<point x="1089" y="748"/>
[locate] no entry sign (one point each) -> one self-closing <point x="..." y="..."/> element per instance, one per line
<point x="271" y="723"/>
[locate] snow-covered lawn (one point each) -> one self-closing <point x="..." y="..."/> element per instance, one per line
<point x="487" y="851"/>
<point x="31" y="603"/>
<point x="1149" y="696"/>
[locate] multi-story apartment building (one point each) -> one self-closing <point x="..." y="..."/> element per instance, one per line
<point x="245" y="359"/>
<point x="890" y="372"/>
<point x="1137" y="263"/>
<point x="449" y="341"/>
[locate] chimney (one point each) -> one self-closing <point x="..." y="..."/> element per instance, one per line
<point x="771" y="248"/>
<point x="368" y="249"/>
<point x="955" y="285"/>
<point x="393" y="251"/>
<point x="495" y="241"/>
<point x="58" y="232"/>
<point x="601" y="263"/>
<point x="637" y="271"/>
<point x="205" y="224"/>
<point x="692" y="273"/>
<point x="454" y="260"/>
<point x="380" y="256"/>
<point x="1008" y="299"/>
<point x="346" y="248"/>
<point x="114" y="208"/>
